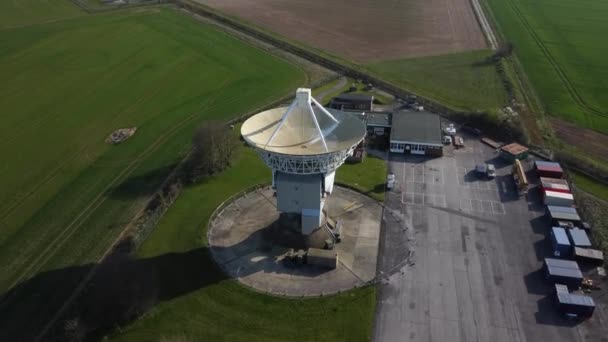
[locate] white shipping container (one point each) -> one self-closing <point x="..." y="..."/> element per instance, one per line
<point x="558" y="198"/>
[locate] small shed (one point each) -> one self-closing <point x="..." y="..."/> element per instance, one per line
<point x="322" y="257"/>
<point x="559" y="209"/>
<point x="555" y="198"/>
<point x="572" y="303"/>
<point x="579" y="238"/>
<point x="548" y="169"/>
<point x="588" y="254"/>
<point x="564" y="272"/>
<point x="561" y="243"/>
<point x="558" y="215"/>
<point x="514" y="151"/>
<point x="352" y="101"/>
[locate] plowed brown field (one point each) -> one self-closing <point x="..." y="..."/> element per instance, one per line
<point x="589" y="141"/>
<point x="366" y="31"/>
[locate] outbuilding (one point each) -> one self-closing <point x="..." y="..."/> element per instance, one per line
<point x="352" y="101"/>
<point x="573" y="304"/>
<point x="416" y="133"/>
<point x="561" y="244"/>
<point x="554" y="184"/>
<point x="514" y="151"/>
<point x="548" y="169"/>
<point x="563" y="272"/>
<point x="579" y="238"/>
<point x="555" y="198"/>
<point x="559" y="215"/>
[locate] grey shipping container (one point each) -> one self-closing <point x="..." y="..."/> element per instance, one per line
<point x="574" y="304"/>
<point x="554" y="198"/>
<point x="589" y="254"/>
<point x="558" y="209"/>
<point x="579" y="238"/>
<point x="560" y="242"/>
<point x="563" y="272"/>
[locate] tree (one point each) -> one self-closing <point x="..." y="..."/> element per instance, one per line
<point x="213" y="146"/>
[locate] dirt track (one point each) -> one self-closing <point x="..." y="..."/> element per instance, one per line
<point x="366" y="30"/>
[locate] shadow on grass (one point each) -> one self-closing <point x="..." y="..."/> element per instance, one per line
<point x="122" y="289"/>
<point x="142" y="185"/>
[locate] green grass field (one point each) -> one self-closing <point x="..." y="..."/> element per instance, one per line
<point x="219" y="309"/>
<point x="460" y="81"/>
<point x="66" y="86"/>
<point x="562" y="47"/>
<point x="590" y="185"/>
<point x="17" y="13"/>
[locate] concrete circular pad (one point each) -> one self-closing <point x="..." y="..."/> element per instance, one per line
<point x="238" y="244"/>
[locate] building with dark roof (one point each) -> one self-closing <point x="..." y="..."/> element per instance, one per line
<point x="416" y="133"/>
<point x="351" y="101"/>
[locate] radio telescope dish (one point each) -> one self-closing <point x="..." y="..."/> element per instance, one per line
<point x="303" y="144"/>
<point x="303" y="128"/>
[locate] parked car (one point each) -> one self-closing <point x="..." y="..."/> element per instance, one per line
<point x="450" y="130"/>
<point x="390" y="181"/>
<point x="491" y="170"/>
<point x="447" y="140"/>
<point x="458" y="141"/>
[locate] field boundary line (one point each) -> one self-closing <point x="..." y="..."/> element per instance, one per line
<point x="93" y="205"/>
<point x="81" y="286"/>
<point x="485" y="25"/>
<point x="90" y="274"/>
<point x="562" y="75"/>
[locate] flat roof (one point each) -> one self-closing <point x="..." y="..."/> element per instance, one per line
<point x="549" y="180"/>
<point x="558" y="194"/>
<point x="548" y="166"/>
<point x="416" y="127"/>
<point x="559" y="215"/>
<point x="559" y="209"/>
<point x="560" y="236"/>
<point x="563" y="268"/>
<point x="579" y="238"/>
<point x="380" y="119"/>
<point x="589" y="253"/>
<point x="575" y="299"/>
<point x="514" y="149"/>
<point x="354" y="97"/>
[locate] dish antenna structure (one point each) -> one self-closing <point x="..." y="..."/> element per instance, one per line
<point x="303" y="144"/>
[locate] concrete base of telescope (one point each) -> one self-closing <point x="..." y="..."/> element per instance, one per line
<point x="247" y="240"/>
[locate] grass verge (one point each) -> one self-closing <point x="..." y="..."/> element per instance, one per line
<point x="218" y="309"/>
<point x="462" y="81"/>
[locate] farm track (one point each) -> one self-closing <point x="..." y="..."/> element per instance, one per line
<point x="573" y="92"/>
<point x="485" y="25"/>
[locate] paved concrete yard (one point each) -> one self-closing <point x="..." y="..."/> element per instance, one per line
<point x="462" y="255"/>
<point x="237" y="242"/>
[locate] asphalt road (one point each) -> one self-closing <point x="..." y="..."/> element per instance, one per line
<point x="461" y="257"/>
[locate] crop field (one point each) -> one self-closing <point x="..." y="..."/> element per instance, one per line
<point x="66" y="85"/>
<point x="210" y="307"/>
<point x="562" y="46"/>
<point x="365" y="31"/>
